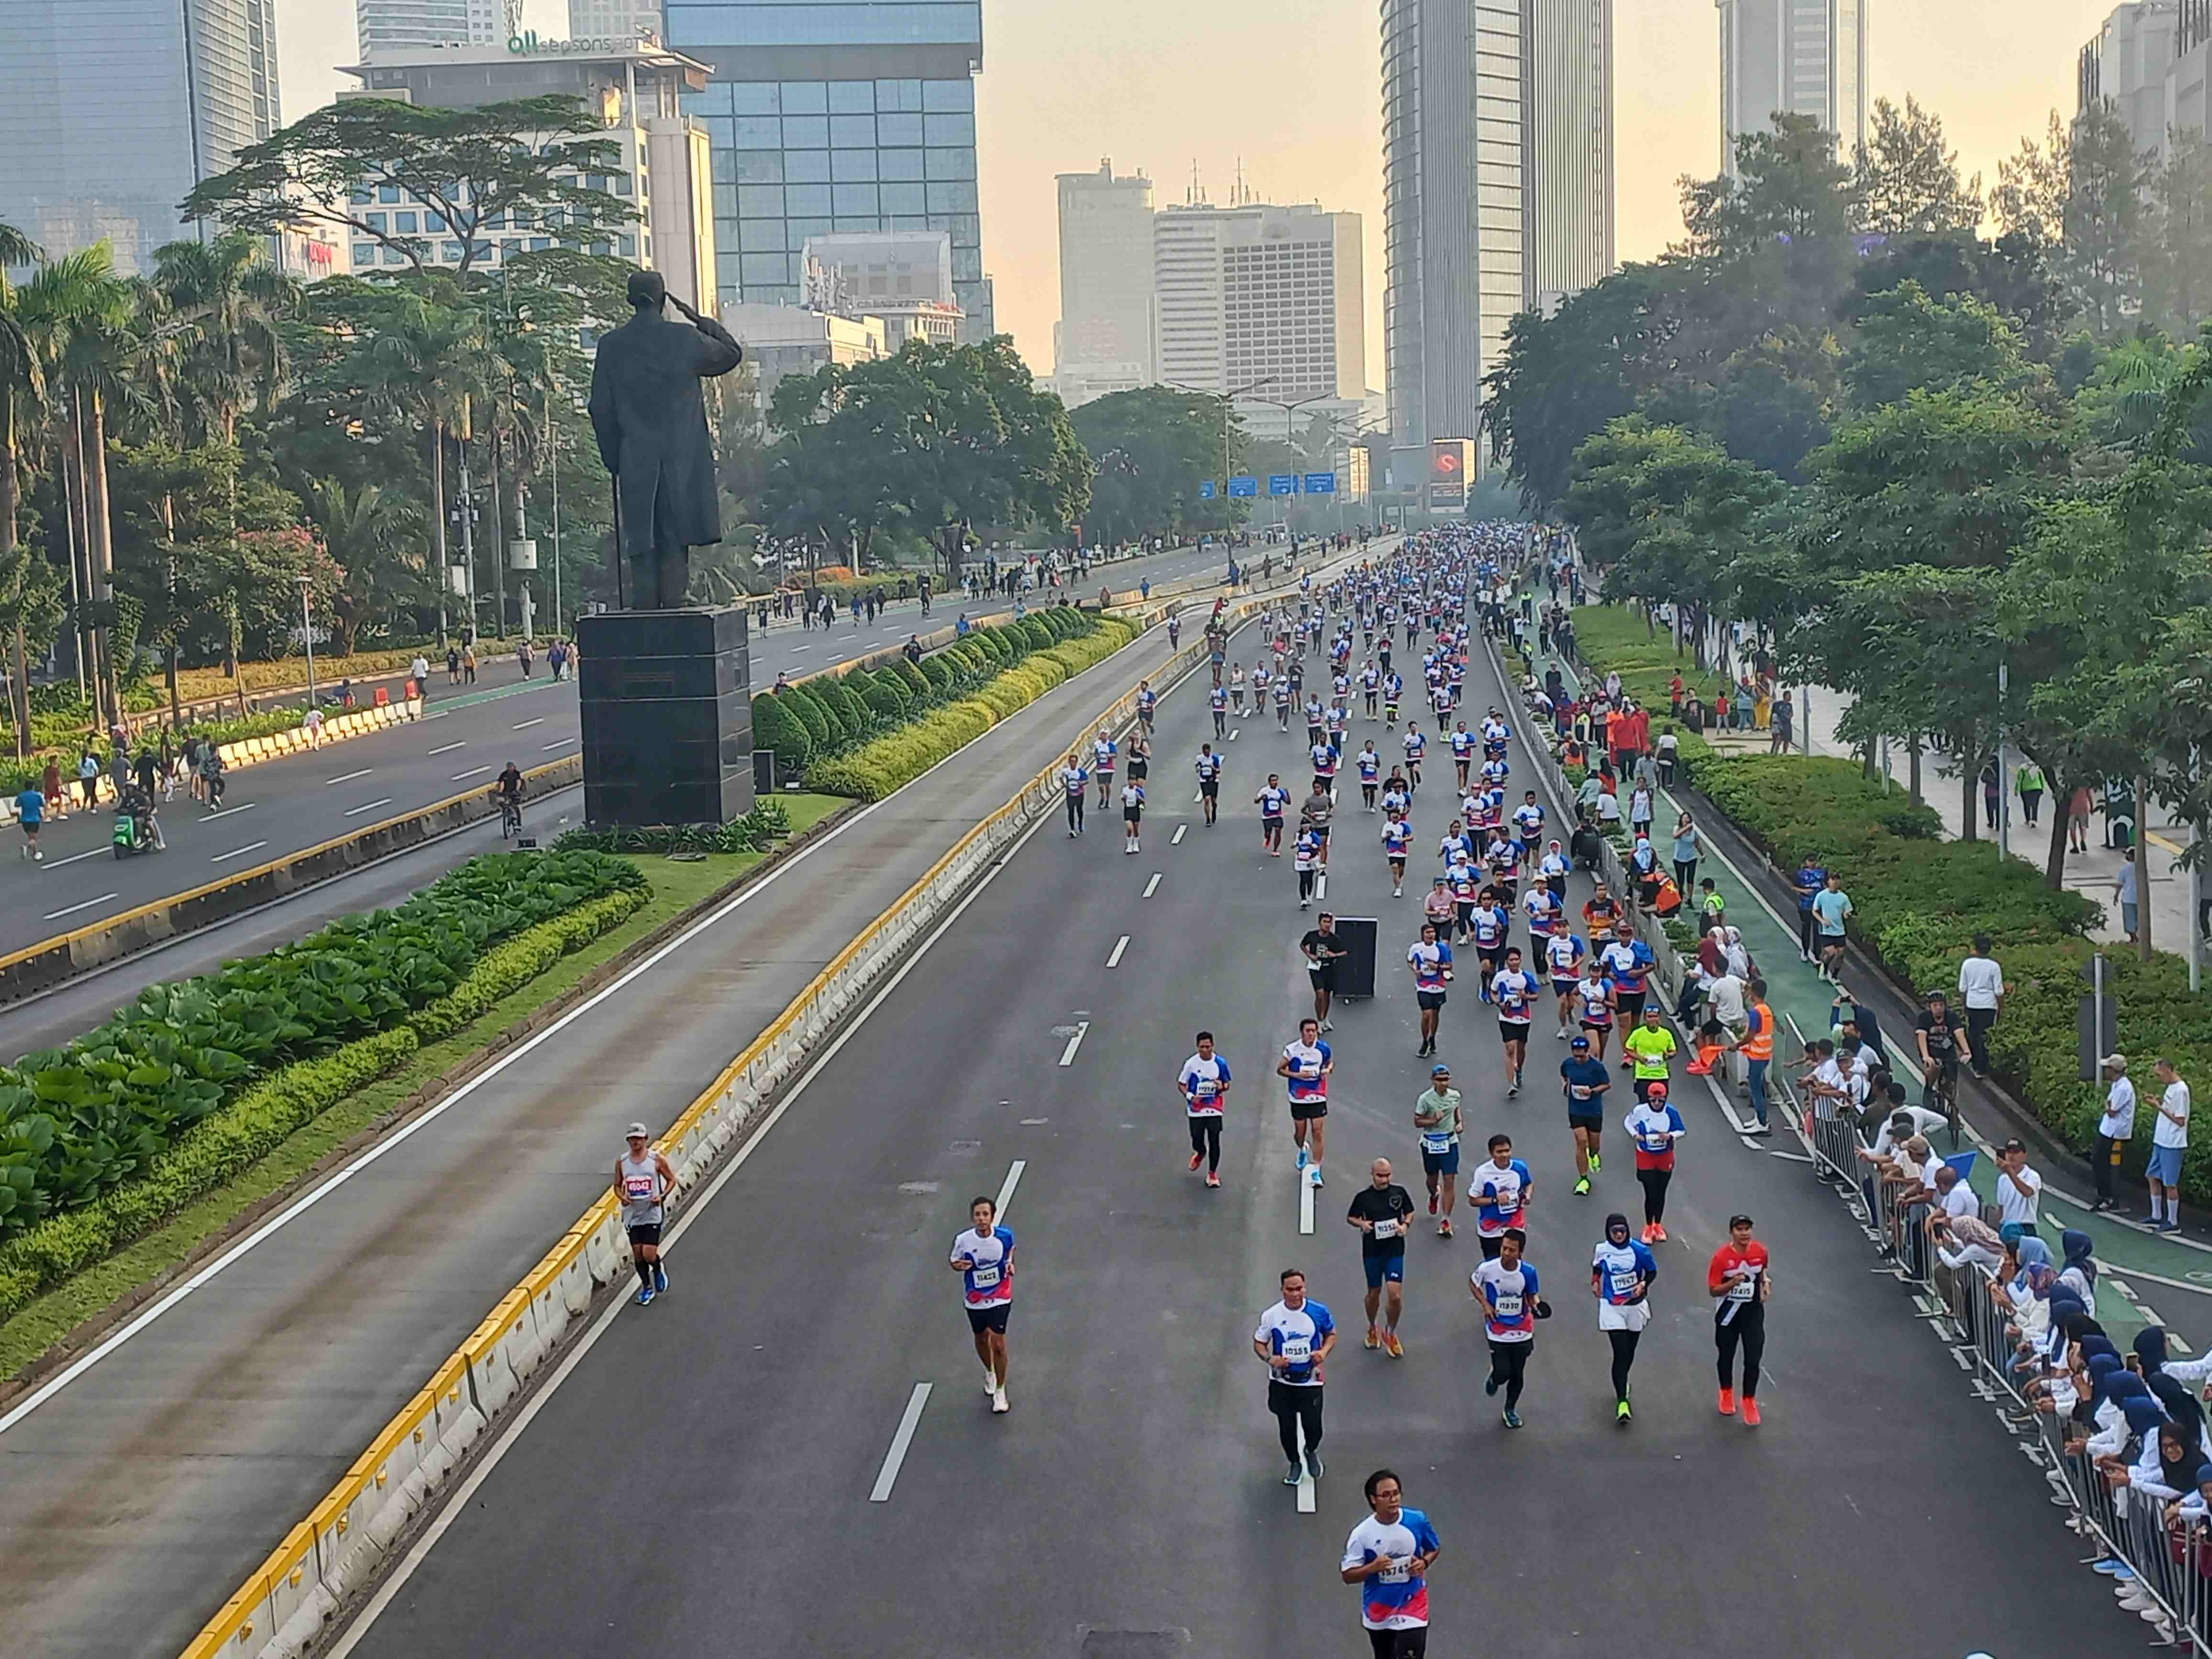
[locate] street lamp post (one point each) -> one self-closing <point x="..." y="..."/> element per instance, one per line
<point x="307" y="638"/>
<point x="1228" y="399"/>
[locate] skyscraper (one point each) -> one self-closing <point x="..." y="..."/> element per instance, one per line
<point x="613" y="20"/>
<point x="1806" y="56"/>
<point x="1105" y="274"/>
<point x="1497" y="193"/>
<point x="827" y="119"/>
<point x="398" y="26"/>
<point x="2147" y="65"/>
<point x="111" y="110"/>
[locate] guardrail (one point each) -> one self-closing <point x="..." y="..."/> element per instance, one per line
<point x="287" y="1600"/>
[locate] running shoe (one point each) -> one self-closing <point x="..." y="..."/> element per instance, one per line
<point x="1621" y="1414"/>
<point x="990" y="1380"/>
<point x="1489" y="1383"/>
<point x="1647" y="1233"/>
<point x="1314" y="1173"/>
<point x="1212" y="1179"/>
<point x="1444" y="1229"/>
<point x="999" y="1399"/>
<point x="1659" y="1232"/>
<point x="1313" y="1464"/>
<point x="1750" y="1413"/>
<point x="1392" y="1346"/>
<point x="1512" y="1418"/>
<point x="645" y="1295"/>
<point x="1196" y="1158"/>
<point x="1374" y="1339"/>
<point x="1302" y="1157"/>
<point x="1728" y="1402"/>
<point x="1511" y="1089"/>
<point x="660" y="1279"/>
<point x="1297" y="1474"/>
<point x="1581" y="1188"/>
<point x="1597" y="1163"/>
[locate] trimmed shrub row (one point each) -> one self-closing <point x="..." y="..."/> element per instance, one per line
<point x="1921" y="899"/>
<point x="758" y="830"/>
<point x="78" y="1120"/>
<point x="229" y="1140"/>
<point x="873" y="770"/>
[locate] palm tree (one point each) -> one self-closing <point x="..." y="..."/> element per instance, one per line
<point x="360" y="530"/>
<point x="229" y="304"/>
<point x="22" y="389"/>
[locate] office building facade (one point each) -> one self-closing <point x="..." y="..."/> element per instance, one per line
<point x="615" y="20"/>
<point x="662" y="167"/>
<point x="1805" y="57"/>
<point x="387" y="27"/>
<point x="1105" y="275"/>
<point x="1498" y="188"/>
<point x="832" y="119"/>
<point x="111" y="110"/>
<point x="1261" y="297"/>
<point x="2148" y="65"/>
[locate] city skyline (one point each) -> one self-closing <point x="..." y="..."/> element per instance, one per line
<point x="1155" y="99"/>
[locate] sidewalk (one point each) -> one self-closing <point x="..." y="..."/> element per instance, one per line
<point x="1799" y="996"/>
<point x="2091" y="874"/>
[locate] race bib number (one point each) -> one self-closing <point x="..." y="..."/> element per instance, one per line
<point x="638" y="1189"/>
<point x="1744" y="1288"/>
<point x="1297" y="1349"/>
<point x="1623" y="1283"/>
<point x="1579" y="1091"/>
<point x="1207" y="1088"/>
<point x="983" y="1277"/>
<point x="1509" y="1305"/>
<point x="1387" y="1228"/>
<point x="1656" y="1143"/>
<point x="1436" y="1145"/>
<point x="1398" y="1573"/>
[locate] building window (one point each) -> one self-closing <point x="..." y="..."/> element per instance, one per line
<point x="951" y="163"/>
<point x="378" y="222"/>
<point x="806" y="167"/>
<point x="899" y="163"/>
<point x="948" y="95"/>
<point x="853" y="131"/>
<point x="948" y="129"/>
<point x="760" y="202"/>
<point x="757" y="132"/>
<point x="855" y="200"/>
<point x="852" y="97"/>
<point x="452" y="251"/>
<point x="902" y="198"/>
<point x="404" y="224"/>
<point x="805" y="98"/>
<point x="805" y="131"/>
<point x="807" y="198"/>
<point x="852" y="166"/>
<point x="387" y="193"/>
<point x="364" y="253"/>
<point x="898" y="94"/>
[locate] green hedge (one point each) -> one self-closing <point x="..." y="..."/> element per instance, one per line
<point x="756" y="832"/>
<point x="81" y="1119"/>
<point x="1921" y="899"/>
<point x="778" y="728"/>
<point x="876" y="769"/>
<point x="257" y="1121"/>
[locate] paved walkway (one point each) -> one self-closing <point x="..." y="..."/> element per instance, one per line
<point x="2152" y="1273"/>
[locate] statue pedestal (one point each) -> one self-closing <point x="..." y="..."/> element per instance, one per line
<point x="666" y="699"/>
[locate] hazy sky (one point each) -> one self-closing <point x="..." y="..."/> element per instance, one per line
<point x="1292" y="87"/>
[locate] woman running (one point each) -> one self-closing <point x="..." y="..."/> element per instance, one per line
<point x="1621" y="1275"/>
<point x="1655" y="1126"/>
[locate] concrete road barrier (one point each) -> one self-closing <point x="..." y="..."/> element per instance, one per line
<point x="37" y="967"/>
<point x="359" y="1525"/>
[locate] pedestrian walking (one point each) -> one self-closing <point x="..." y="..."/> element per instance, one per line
<point x="1982" y="990"/>
<point x="2027" y="781"/>
<point x="2114" y="1128"/>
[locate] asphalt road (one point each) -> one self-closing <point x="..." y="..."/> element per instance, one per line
<point x="468" y="734"/>
<point x="707" y="1467"/>
<point x="143" y="1487"/>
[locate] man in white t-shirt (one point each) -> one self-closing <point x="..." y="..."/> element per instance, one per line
<point x="2114" y="1130"/>
<point x="2020" y="1190"/>
<point x="1982" y="990"/>
<point x="2169" y="1139"/>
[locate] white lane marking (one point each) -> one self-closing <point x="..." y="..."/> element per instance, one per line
<point x="1234" y="734"/>
<point x="448" y="748"/>
<point x="796" y="649"/>
<point x="226" y="811"/>
<point x="237" y="851"/>
<point x="1068" y="1055"/>
<point x="524" y="726"/>
<point x="474" y="771"/>
<point x="1182" y="830"/>
<point x="1794" y="1157"/>
<point x="367" y="807"/>
<point x="1321" y="885"/>
<point x="1153" y="885"/>
<point x="1007" y="1187"/>
<point x="1197" y="798"/>
<point x="887" y="1477"/>
<point x="1120" y="945"/>
<point x="1305" y="1202"/>
<point x="1306" y="1492"/>
<point x="563" y="743"/>
<point x="71" y="910"/>
<point x="348" y="777"/>
<point x="56" y="864"/>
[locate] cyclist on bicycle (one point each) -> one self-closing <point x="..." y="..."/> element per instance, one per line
<point x="1940" y="1032"/>
<point x="509" y="787"/>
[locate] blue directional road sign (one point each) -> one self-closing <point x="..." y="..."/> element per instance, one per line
<point x="1207" y="490"/>
<point x="1244" y="484"/>
<point x="1321" y="483"/>
<point x="1282" y="484"/>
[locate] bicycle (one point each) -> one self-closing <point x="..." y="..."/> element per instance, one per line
<point x="1943" y="1095"/>
<point x="510" y="817"/>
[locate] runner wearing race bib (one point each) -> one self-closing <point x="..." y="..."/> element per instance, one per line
<point x="1397" y="840"/>
<point x="1273" y="801"/>
<point x="1208" y="768"/>
<point x="1500" y="1190"/>
<point x="983" y="1256"/>
<point x="1437" y="1117"/>
<point x="1074" y="779"/>
<point x="1507" y="1288"/>
<point x="1515" y="991"/>
<point x="1430" y="960"/>
<point x="1656" y="1125"/>
<point x="1294" y="1338"/>
<point x="1739" y="1281"/>
<point x="1382" y="1211"/>
<point x="1205" y="1085"/>
<point x="1622" y="1271"/>
<point x="1304" y="1067"/>
<point x="643" y="1181"/>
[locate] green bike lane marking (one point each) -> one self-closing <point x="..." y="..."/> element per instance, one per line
<point x="1796" y="991"/>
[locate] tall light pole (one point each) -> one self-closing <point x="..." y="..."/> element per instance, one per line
<point x="308" y="637"/>
<point x="1228" y="399"/>
<point x="1288" y="408"/>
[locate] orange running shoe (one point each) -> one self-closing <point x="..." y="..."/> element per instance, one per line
<point x="1392" y="1346"/>
<point x="1750" y="1413"/>
<point x="1728" y="1402"/>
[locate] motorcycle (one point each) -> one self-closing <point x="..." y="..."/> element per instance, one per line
<point x="135" y="834"/>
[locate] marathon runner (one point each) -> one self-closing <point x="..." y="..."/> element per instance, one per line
<point x="1621" y="1275"/>
<point x="1205" y="1085"/>
<point x="1436" y="1114"/>
<point x="1506" y="1287"/>
<point x="1416" y="745"/>
<point x="1388" y="1556"/>
<point x="1430" y="959"/>
<point x="1514" y="990"/>
<point x="1369" y="766"/>
<point x="1397" y="837"/>
<point x="1133" y="813"/>
<point x="1739" y="1282"/>
<point x="1208" y="768"/>
<point x="983" y="1256"/>
<point x="1217" y="701"/>
<point x="644" y="1180"/>
<point x="1586" y="1080"/>
<point x="1305" y="1065"/>
<point x="1500" y="1189"/>
<point x="1655" y="1126"/>
<point x="1274" y="800"/>
<point x="1383" y="1211"/>
<point x="1649" y="1047"/>
<point x="1074" y="779"/>
<point x="1595" y="1002"/>
<point x="1103" y="750"/>
<point x="1294" y="1337"/>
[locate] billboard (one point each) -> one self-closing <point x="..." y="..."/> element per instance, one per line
<point x="1451" y="468"/>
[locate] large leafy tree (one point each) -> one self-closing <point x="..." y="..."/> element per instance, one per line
<point x="1151" y="447"/>
<point x="475" y="168"/>
<point x="1907" y="341"/>
<point x="1905" y="176"/>
<point x="22" y="391"/>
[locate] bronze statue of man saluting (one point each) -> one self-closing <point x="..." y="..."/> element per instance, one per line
<point x="650" y="420"/>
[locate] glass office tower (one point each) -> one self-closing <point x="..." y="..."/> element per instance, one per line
<point x="827" y="118"/>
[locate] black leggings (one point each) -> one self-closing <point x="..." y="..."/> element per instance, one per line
<point x="1805" y="923"/>
<point x="1624" y="1356"/>
<point x="1508" y="1364"/>
<point x="1295" y="1408"/>
<point x="1654" y="1182"/>
<point x="1305" y="884"/>
<point x="1205" y="1137"/>
<point x="1075" y="812"/>
<point x="1748" y="1327"/>
<point x="1399" y="1643"/>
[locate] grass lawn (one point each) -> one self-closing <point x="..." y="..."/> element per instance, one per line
<point x="676" y="886"/>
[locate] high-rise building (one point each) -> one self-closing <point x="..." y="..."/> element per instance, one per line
<point x="1105" y="275"/>
<point x="386" y="26"/>
<point x="1803" y="56"/>
<point x="901" y="278"/>
<point x="2147" y="65"/>
<point x="636" y="87"/>
<point x="615" y="20"/>
<point x="1497" y="182"/>
<point x="828" y="119"/>
<point x="111" y="110"/>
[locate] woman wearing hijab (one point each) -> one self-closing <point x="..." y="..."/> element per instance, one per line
<point x="1622" y="1270"/>
<point x="2144" y="1416"/>
<point x="2182" y="1406"/>
<point x="2080" y="1271"/>
<point x="2150" y="1350"/>
<point x="1738" y="958"/>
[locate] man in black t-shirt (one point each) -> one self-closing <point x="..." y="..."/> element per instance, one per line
<point x="1382" y="1211"/>
<point x="1938" y="1033"/>
<point x="1323" y="948"/>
